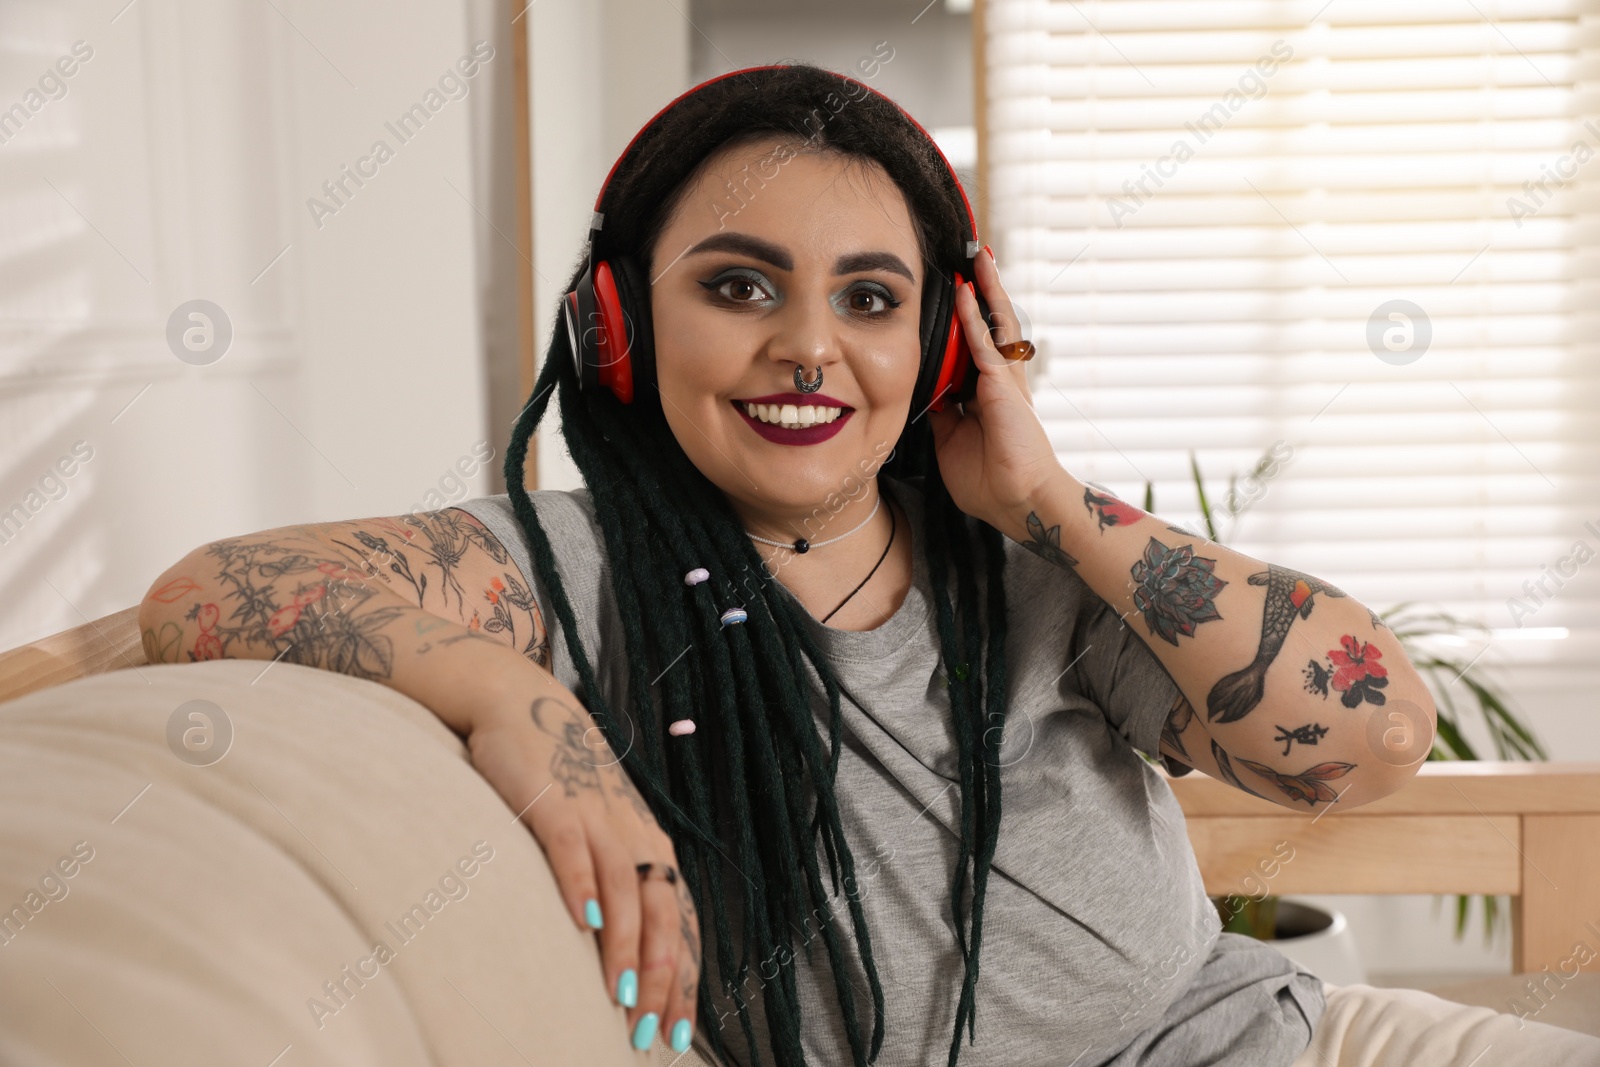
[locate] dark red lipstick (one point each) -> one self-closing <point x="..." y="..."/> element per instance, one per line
<point x="805" y="435"/>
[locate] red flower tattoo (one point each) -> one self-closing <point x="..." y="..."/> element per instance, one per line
<point x="1357" y="673"/>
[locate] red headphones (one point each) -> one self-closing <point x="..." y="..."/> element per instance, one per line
<point x="615" y="350"/>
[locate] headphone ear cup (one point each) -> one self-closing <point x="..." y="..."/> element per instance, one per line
<point x="612" y="329"/>
<point x="948" y="376"/>
<point x="633" y="298"/>
<point x="967" y="373"/>
<point x="937" y="305"/>
<point x="577" y="316"/>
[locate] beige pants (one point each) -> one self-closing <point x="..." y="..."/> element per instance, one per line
<point x="1366" y="1026"/>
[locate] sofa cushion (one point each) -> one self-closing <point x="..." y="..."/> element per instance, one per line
<point x="339" y="887"/>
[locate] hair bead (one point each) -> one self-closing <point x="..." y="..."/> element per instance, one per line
<point x="733" y="615"/>
<point x="696" y="576"/>
<point x="681" y="727"/>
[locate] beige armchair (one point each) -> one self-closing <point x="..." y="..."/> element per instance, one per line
<point x="1528" y="830"/>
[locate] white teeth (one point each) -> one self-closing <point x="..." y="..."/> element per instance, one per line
<point x="793" y="416"/>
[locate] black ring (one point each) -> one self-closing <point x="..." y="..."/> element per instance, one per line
<point x="644" y="870"/>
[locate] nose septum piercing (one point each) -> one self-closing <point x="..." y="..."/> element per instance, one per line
<point x="804" y="386"/>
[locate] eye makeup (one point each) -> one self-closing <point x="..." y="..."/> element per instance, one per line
<point x="753" y="278"/>
<point x="737" y="274"/>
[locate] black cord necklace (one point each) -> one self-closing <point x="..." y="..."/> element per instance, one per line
<point x="893" y="525"/>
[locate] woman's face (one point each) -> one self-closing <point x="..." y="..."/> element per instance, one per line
<point x="805" y="259"/>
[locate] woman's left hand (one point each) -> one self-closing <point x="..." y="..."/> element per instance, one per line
<point x="994" y="457"/>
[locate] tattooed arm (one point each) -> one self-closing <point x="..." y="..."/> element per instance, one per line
<point x="1292" y="690"/>
<point x="431" y="605"/>
<point x="337" y="596"/>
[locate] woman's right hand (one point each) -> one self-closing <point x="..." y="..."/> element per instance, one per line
<point x="553" y="765"/>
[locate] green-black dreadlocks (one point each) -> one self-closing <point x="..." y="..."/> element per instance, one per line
<point x="757" y="749"/>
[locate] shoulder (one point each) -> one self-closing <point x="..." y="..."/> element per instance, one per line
<point x="566" y="515"/>
<point x="547" y="502"/>
<point x="568" y="520"/>
<point x="570" y="528"/>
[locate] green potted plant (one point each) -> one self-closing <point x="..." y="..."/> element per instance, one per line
<point x="1419" y="629"/>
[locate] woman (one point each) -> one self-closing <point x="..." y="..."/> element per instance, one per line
<point x="866" y="699"/>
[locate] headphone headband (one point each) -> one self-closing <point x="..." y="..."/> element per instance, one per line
<point x="597" y="218"/>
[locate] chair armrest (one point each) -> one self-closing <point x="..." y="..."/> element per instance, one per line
<point x="1522" y="829"/>
<point x="1441" y="787"/>
<point x="105" y="644"/>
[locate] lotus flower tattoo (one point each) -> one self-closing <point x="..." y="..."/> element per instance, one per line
<point x="1175" y="590"/>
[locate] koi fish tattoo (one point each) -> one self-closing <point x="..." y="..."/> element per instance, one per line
<point x="1290" y="595"/>
<point x="1309" y="785"/>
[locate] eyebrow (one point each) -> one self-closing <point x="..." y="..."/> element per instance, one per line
<point x="767" y="252"/>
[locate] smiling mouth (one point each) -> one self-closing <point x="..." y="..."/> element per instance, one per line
<point x="792" y="416"/>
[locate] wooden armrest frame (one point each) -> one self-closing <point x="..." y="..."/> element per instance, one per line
<point x="106" y="644"/>
<point x="1529" y="830"/>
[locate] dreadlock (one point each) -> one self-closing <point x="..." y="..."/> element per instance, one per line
<point x="750" y="765"/>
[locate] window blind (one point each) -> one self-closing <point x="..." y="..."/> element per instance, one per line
<point x="1341" y="250"/>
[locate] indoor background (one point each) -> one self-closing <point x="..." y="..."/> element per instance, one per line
<point x="1340" y="251"/>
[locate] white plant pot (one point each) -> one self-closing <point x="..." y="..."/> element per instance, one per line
<point x="1320" y="941"/>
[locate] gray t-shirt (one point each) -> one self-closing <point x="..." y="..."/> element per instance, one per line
<point x="1099" y="944"/>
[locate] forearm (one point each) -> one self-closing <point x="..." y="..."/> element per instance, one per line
<point x="300" y="597"/>
<point x="1269" y="659"/>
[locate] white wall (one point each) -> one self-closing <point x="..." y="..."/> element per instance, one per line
<point x="930" y="74"/>
<point x="393" y="378"/>
<point x="599" y="72"/>
<point x="178" y="165"/>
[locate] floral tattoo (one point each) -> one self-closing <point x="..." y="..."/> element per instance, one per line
<point x="1046" y="544"/>
<point x="1175" y="590"/>
<point x="1353" y="670"/>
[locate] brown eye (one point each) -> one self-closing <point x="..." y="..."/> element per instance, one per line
<point x="738" y="289"/>
<point x="879" y="302"/>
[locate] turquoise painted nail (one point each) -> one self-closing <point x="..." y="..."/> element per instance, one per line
<point x="644" y="1031"/>
<point x="682" y="1031"/>
<point x="591" y="913"/>
<point x="628" y="988"/>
